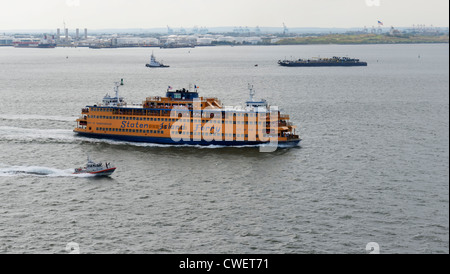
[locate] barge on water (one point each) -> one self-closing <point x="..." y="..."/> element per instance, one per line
<point x="323" y="62"/>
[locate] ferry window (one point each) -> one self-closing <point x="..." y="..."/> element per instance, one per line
<point x="165" y="120"/>
<point x="151" y="119"/>
<point x="134" y="130"/>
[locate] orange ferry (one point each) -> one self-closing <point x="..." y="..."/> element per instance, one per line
<point x="182" y="117"/>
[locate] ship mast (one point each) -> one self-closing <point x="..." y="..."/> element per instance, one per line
<point x="116" y="88"/>
<point x="252" y="92"/>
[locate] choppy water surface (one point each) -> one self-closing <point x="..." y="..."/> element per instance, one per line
<point x="373" y="165"/>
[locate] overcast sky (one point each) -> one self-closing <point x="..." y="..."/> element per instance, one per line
<point x="101" y="14"/>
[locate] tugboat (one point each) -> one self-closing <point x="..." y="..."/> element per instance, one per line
<point x="155" y="64"/>
<point x="323" y="62"/>
<point x="97" y="169"/>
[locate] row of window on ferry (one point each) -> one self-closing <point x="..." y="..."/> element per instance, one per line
<point x="205" y="112"/>
<point x="175" y="120"/>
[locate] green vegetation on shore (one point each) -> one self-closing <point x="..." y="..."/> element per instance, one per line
<point x="365" y="39"/>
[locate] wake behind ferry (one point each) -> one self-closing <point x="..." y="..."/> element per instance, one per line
<point x="182" y="117"/>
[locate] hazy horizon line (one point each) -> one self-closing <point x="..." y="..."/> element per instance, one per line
<point x="290" y="29"/>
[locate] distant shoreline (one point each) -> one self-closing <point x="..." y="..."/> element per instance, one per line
<point x="363" y="39"/>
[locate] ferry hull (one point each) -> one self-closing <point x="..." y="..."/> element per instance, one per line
<point x="169" y="141"/>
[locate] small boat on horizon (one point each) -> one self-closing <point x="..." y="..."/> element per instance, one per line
<point x="155" y="64"/>
<point x="97" y="169"/>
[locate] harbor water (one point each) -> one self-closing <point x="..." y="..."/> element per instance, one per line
<point x="373" y="164"/>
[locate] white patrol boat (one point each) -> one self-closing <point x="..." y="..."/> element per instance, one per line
<point x="97" y="169"/>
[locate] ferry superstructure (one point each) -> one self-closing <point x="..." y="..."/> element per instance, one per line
<point x="182" y="117"/>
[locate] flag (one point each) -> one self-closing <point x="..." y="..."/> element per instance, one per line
<point x="169" y="88"/>
<point x="380" y="23"/>
<point x="196" y="87"/>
